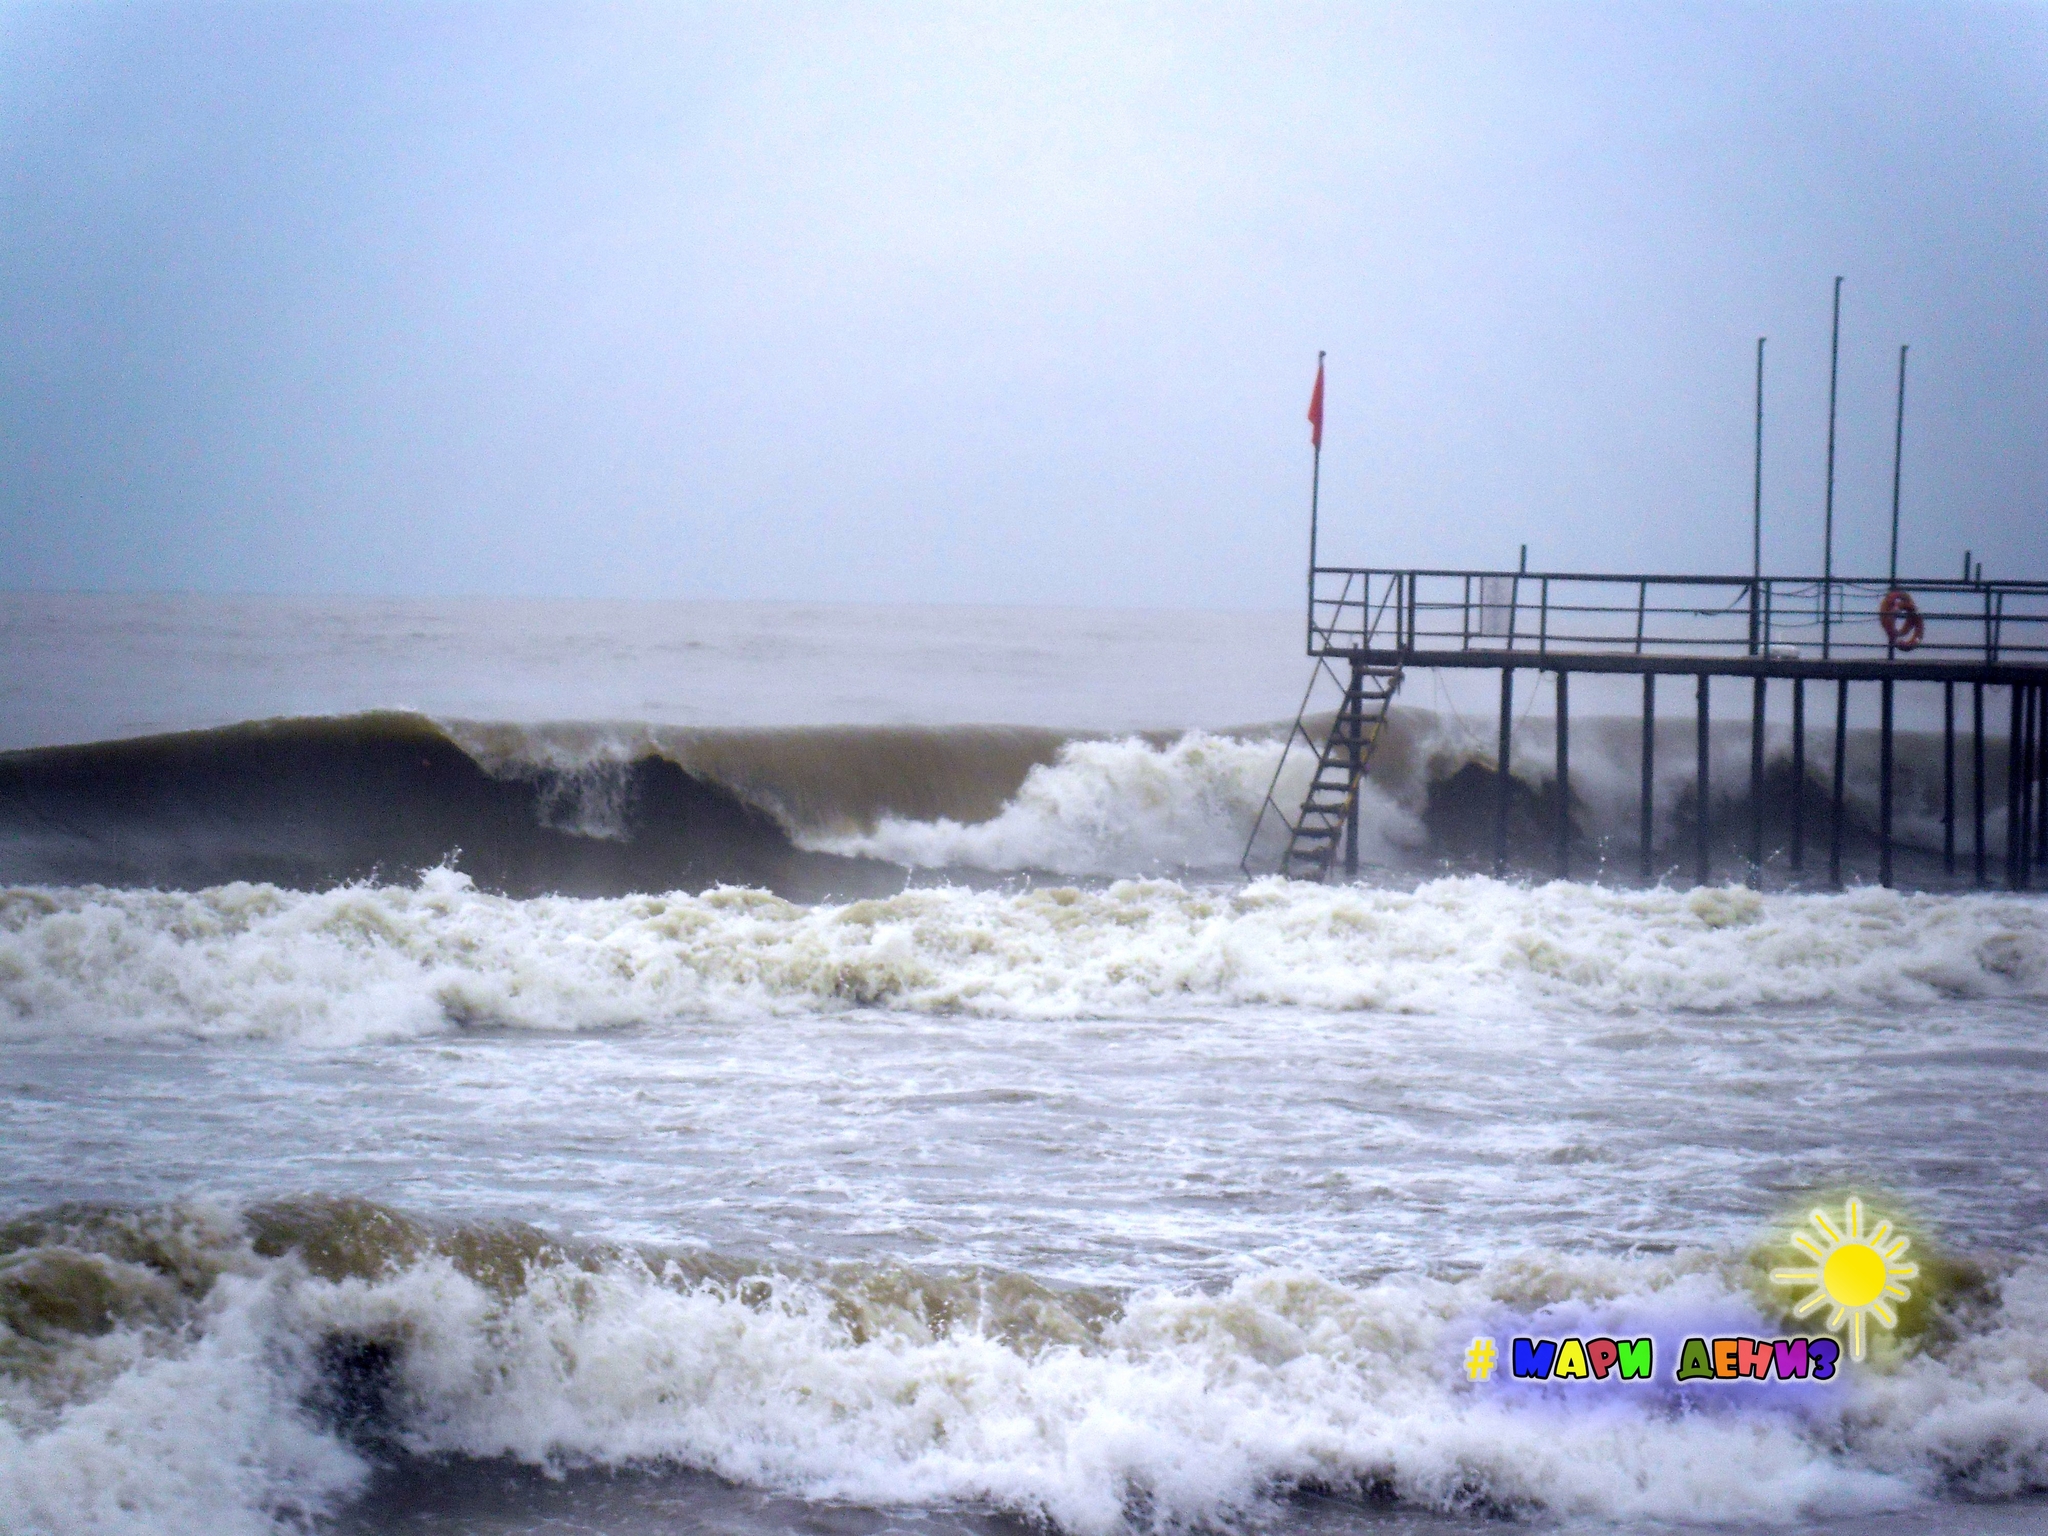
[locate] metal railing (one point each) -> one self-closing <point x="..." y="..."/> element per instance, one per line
<point x="1405" y="612"/>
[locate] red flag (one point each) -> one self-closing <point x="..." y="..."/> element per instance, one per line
<point x="1315" y="407"/>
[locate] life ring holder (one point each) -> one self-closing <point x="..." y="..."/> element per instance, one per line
<point x="1900" y="616"/>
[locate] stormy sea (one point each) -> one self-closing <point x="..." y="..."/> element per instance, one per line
<point x="518" y="1067"/>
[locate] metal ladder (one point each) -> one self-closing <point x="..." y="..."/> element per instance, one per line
<point x="1343" y="758"/>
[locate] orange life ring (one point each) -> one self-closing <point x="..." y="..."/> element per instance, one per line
<point x="1900" y="616"/>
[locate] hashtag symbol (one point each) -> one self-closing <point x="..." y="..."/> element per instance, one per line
<point x="1479" y="1359"/>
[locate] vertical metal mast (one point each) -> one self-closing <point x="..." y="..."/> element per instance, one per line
<point x="1898" y="447"/>
<point x="1756" y="512"/>
<point x="1315" y="494"/>
<point x="1827" y="564"/>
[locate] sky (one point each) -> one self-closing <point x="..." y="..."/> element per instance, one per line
<point x="1006" y="304"/>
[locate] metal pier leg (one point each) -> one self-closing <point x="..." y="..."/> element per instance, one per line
<point x="2027" y="732"/>
<point x="1948" y="779"/>
<point x="2031" y="728"/>
<point x="1884" y="784"/>
<point x="1756" y="786"/>
<point x="2025" y="748"/>
<point x="1500" y="805"/>
<point x="1564" y="775"/>
<point x="1841" y="783"/>
<point x="1649" y="769"/>
<point x="1706" y="870"/>
<point x="2012" y="793"/>
<point x="1354" y="758"/>
<point x="2040" y="813"/>
<point x="1797" y="858"/>
<point x="2022" y="802"/>
<point x="1980" y="853"/>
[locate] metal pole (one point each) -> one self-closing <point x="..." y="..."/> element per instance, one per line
<point x="1884" y="784"/>
<point x="1827" y="563"/>
<point x="2012" y="794"/>
<point x="1977" y="780"/>
<point x="2040" y="798"/>
<point x="1702" y="789"/>
<point x="2027" y="728"/>
<point x="2023" y="749"/>
<point x="1756" y="509"/>
<point x="1841" y="783"/>
<point x="1354" y="761"/>
<point x="1564" y="775"/>
<point x="1898" y="450"/>
<point x="1948" y="779"/>
<point x="1500" y="806"/>
<point x="1315" y="497"/>
<point x="1798" y="855"/>
<point x="2030" y="726"/>
<point x="1756" y="786"/>
<point x="2026" y="756"/>
<point x="1649" y="769"/>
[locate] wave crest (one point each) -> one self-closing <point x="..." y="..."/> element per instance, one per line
<point x="313" y="1329"/>
<point x="369" y="962"/>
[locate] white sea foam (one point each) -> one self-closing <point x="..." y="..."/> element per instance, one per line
<point x="390" y="961"/>
<point x="1125" y="807"/>
<point x="1182" y="1409"/>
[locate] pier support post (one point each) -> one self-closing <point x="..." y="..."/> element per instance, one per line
<point x="1884" y="784"/>
<point x="2012" y="793"/>
<point x="1564" y="775"/>
<point x="1354" y="726"/>
<point x="1840" y="785"/>
<point x="2040" y="801"/>
<point x="1978" y="850"/>
<point x="2022" y="800"/>
<point x="1796" y="855"/>
<point x="1502" y="778"/>
<point x="2028" y="718"/>
<point x="2031" y="730"/>
<point x="1649" y="771"/>
<point x="1756" y="785"/>
<point x="1705" y="827"/>
<point x="1948" y="779"/>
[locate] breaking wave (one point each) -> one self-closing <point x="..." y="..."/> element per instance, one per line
<point x="379" y="962"/>
<point x="199" y="1368"/>
<point x="1113" y="807"/>
<point x="603" y="809"/>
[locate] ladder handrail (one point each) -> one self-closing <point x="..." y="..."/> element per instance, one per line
<point x="1269" y="803"/>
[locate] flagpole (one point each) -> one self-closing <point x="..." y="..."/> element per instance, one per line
<point x="1315" y="495"/>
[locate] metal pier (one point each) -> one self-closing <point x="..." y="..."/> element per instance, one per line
<point x="1367" y="627"/>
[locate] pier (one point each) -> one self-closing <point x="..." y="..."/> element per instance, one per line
<point x="1982" y="644"/>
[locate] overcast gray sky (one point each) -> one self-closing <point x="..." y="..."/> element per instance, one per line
<point x="1015" y="304"/>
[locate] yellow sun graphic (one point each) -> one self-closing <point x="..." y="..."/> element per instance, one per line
<point x="1853" y="1274"/>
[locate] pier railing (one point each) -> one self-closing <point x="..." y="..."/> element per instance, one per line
<point x="1412" y="613"/>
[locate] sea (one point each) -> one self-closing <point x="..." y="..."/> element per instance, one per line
<point x="514" y="1066"/>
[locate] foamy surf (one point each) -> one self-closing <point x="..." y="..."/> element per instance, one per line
<point x="370" y="962"/>
<point x="1118" y="807"/>
<point x="233" y="1370"/>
